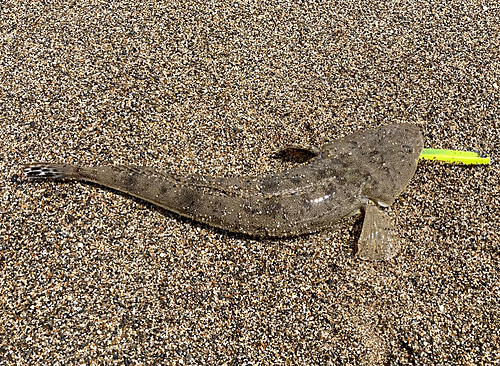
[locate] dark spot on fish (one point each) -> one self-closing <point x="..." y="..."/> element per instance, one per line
<point x="408" y="148"/>
<point x="251" y="210"/>
<point x="269" y="184"/>
<point x="321" y="174"/>
<point x="130" y="180"/>
<point x="332" y="191"/>
<point x="217" y="208"/>
<point x="188" y="198"/>
<point x="164" y="189"/>
<point x="273" y="208"/>
<point x="296" y="179"/>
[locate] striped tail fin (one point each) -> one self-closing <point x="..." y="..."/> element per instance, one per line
<point x="49" y="170"/>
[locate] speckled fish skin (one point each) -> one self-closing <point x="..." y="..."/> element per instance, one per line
<point x="374" y="164"/>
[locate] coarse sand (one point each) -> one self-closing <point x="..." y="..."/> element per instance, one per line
<point x="92" y="277"/>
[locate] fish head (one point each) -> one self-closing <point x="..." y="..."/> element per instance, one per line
<point x="390" y="154"/>
<point x="387" y="155"/>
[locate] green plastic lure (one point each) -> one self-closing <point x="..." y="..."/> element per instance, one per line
<point x="454" y="156"/>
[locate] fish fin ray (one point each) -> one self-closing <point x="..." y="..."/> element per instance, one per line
<point x="378" y="240"/>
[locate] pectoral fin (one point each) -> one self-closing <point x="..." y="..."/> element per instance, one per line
<point x="378" y="240"/>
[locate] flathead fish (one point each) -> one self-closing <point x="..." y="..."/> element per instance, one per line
<point x="364" y="171"/>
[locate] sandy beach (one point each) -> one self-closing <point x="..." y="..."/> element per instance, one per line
<point x="89" y="276"/>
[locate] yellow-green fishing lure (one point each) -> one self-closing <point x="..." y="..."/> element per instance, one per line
<point x="454" y="156"/>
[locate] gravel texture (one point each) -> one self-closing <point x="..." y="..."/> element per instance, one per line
<point x="92" y="277"/>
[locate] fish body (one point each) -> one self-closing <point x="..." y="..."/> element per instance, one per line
<point x="370" y="166"/>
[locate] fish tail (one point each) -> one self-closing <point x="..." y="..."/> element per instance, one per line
<point x="49" y="170"/>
